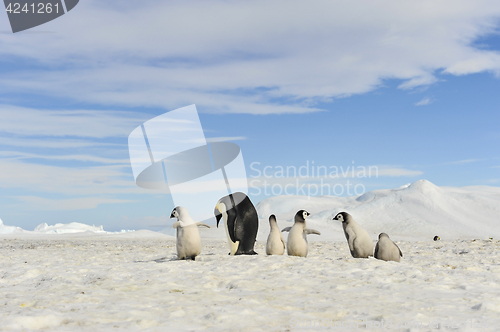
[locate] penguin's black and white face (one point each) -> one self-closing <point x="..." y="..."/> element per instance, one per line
<point x="174" y="214"/>
<point x="340" y="217"/>
<point x="301" y="215"/>
<point x="220" y="208"/>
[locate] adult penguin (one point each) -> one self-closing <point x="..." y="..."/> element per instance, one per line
<point x="241" y="222"/>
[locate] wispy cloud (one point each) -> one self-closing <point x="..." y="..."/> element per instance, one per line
<point x="465" y="161"/>
<point x="423" y="102"/>
<point x="97" y="180"/>
<point x="23" y="121"/>
<point x="242" y="58"/>
<point x="80" y="203"/>
<point x="395" y="172"/>
<point x="53" y="143"/>
<point x="225" y="139"/>
<point x="330" y="174"/>
<point x="82" y="158"/>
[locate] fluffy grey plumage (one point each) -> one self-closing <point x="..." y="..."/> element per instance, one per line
<point x="359" y="241"/>
<point x="387" y="250"/>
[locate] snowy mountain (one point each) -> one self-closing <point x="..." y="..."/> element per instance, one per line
<point x="73" y="227"/>
<point x="9" y="229"/>
<point x="59" y="228"/>
<point x="416" y="211"/>
<point x="419" y="210"/>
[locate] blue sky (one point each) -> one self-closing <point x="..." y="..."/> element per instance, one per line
<point x="410" y="88"/>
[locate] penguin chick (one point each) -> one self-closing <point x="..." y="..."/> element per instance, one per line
<point x="360" y="243"/>
<point x="297" y="239"/>
<point x="188" y="236"/>
<point x="275" y="243"/>
<point x="387" y="250"/>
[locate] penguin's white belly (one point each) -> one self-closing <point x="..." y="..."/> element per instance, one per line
<point x="233" y="246"/>
<point x="274" y="244"/>
<point x="188" y="241"/>
<point x="297" y="242"/>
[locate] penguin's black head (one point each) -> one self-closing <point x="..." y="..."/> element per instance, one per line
<point x="301" y="216"/>
<point x="437" y="238"/>
<point x="341" y="216"/>
<point x="382" y="235"/>
<point x="174" y="213"/>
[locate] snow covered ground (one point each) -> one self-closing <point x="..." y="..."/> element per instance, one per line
<point x="96" y="281"/>
<point x="115" y="282"/>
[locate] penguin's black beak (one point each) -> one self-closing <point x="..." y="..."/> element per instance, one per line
<point x="172" y="215"/>
<point x="218" y="216"/>
<point x="308" y="214"/>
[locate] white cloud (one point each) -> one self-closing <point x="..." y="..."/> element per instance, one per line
<point x="24" y="121"/>
<point x="239" y="57"/>
<point x="49" y="143"/>
<point x="465" y="161"/>
<point x="80" y="203"/>
<point x="394" y="172"/>
<point x="225" y="139"/>
<point x="83" y="158"/>
<point x="66" y="180"/>
<point x="332" y="174"/>
<point x="425" y="101"/>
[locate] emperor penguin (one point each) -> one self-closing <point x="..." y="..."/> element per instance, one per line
<point x="387" y="250"/>
<point x="188" y="236"/>
<point x="360" y="243"/>
<point x="297" y="239"/>
<point x="241" y="222"/>
<point x="275" y="243"/>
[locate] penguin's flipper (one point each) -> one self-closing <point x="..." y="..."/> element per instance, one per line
<point x="400" y="253"/>
<point x="176" y="224"/>
<point x="311" y="231"/>
<point x="350" y="239"/>
<point x="202" y="224"/>
<point x="375" y="254"/>
<point x="231" y="224"/>
<point x="286" y="229"/>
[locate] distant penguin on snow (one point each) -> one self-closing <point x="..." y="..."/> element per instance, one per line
<point x="387" y="250"/>
<point x="188" y="236"/>
<point x="240" y="221"/>
<point x="275" y="244"/>
<point x="297" y="239"/>
<point x="360" y="243"/>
